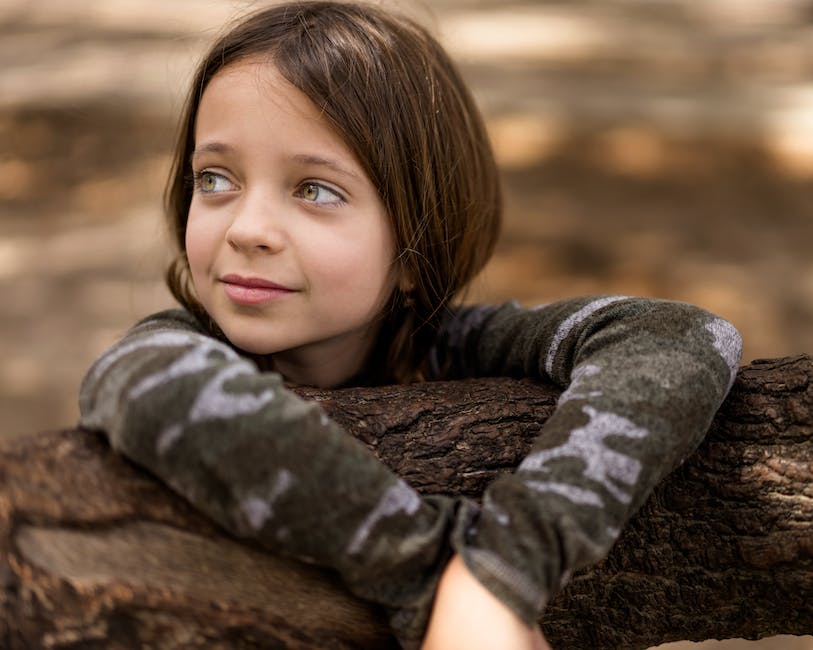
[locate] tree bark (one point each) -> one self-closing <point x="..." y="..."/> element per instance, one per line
<point x="96" y="554"/>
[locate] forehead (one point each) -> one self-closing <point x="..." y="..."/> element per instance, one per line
<point x="252" y="98"/>
<point x="251" y="85"/>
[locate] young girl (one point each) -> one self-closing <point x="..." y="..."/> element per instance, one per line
<point x="333" y="191"/>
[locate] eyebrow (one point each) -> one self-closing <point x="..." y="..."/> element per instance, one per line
<point x="211" y="147"/>
<point x="303" y="159"/>
<point x="306" y="159"/>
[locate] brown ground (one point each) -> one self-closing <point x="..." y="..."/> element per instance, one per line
<point x="660" y="149"/>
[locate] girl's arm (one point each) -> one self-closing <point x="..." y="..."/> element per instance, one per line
<point x="467" y="616"/>
<point x="644" y="379"/>
<point x="267" y="464"/>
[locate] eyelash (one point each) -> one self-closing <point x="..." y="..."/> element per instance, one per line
<point x="198" y="177"/>
<point x="320" y="186"/>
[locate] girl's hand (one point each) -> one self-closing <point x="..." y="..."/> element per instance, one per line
<point x="467" y="616"/>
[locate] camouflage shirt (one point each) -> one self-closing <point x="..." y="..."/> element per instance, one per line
<point x="642" y="379"/>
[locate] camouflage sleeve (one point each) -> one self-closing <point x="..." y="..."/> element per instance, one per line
<point x="267" y="464"/>
<point x="643" y="380"/>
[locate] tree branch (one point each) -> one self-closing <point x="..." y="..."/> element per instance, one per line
<point x="94" y="553"/>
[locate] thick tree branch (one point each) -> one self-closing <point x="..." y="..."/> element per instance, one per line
<point x="94" y="553"/>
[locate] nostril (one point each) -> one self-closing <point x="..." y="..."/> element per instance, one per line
<point x="251" y="231"/>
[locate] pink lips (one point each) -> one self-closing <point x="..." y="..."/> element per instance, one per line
<point x="252" y="291"/>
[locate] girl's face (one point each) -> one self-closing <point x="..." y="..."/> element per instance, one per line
<point x="290" y="247"/>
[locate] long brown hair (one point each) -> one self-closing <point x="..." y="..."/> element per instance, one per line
<point x="389" y="89"/>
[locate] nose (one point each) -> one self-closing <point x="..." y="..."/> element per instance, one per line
<point x="255" y="226"/>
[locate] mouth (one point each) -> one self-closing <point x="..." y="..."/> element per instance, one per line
<point x="252" y="290"/>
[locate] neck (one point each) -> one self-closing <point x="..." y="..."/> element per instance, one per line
<point x="325" y="366"/>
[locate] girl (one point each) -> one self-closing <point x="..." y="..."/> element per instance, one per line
<point x="333" y="191"/>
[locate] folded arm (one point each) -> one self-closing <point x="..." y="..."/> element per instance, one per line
<point x="643" y="380"/>
<point x="267" y="464"/>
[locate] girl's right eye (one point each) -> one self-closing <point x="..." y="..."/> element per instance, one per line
<point x="211" y="183"/>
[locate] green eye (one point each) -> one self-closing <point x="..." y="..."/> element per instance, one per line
<point x="211" y="183"/>
<point x="208" y="182"/>
<point x="310" y="192"/>
<point x="319" y="194"/>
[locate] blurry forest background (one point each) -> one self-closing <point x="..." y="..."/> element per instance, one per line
<point x="649" y="147"/>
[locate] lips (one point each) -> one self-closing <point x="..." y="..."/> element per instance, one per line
<point x="252" y="290"/>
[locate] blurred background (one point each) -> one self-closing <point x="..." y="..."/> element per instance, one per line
<point x="650" y="147"/>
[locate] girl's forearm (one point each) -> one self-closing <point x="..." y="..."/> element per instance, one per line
<point x="268" y="465"/>
<point x="467" y="616"/>
<point x="643" y="378"/>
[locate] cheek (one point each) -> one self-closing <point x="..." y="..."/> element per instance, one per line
<point x="360" y="269"/>
<point x="200" y="245"/>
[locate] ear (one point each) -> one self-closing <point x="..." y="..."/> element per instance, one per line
<point x="404" y="280"/>
<point x="406" y="286"/>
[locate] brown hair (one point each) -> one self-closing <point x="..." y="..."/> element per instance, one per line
<point x="389" y="89"/>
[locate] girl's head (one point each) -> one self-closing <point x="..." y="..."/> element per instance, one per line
<point x="389" y="104"/>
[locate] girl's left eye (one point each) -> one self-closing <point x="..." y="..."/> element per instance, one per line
<point x="319" y="194"/>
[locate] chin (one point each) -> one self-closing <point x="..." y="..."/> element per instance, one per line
<point x="251" y="344"/>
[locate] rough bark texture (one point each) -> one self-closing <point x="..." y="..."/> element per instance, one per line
<point x="95" y="554"/>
